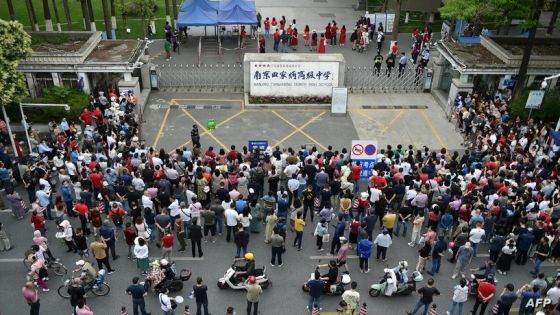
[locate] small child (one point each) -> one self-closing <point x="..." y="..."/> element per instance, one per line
<point x="124" y="311"/>
<point x="433" y="310"/>
<point x="187" y="311"/>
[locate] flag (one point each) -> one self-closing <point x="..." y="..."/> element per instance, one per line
<point x="316" y="311"/>
<point x="363" y="309"/>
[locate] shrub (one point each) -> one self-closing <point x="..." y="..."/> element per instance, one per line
<point x="549" y="110"/>
<point x="77" y="100"/>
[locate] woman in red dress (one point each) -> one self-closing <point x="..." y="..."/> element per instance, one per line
<point x="342" y="39"/>
<point x="314" y="41"/>
<point x="322" y="43"/>
<point x="328" y="32"/>
<point x="294" y="41"/>
<point x="306" y="36"/>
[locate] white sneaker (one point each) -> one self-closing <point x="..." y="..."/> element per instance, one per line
<point x="453" y="276"/>
<point x="447" y="312"/>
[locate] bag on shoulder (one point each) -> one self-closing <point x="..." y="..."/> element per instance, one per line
<point x="43" y="272"/>
<point x="117" y="218"/>
<point x="326" y="238"/>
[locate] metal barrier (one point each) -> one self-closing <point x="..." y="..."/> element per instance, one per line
<point x="204" y="78"/>
<point x="366" y="79"/>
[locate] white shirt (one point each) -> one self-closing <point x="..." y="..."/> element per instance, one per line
<point x="140" y="251"/>
<point x="406" y="168"/>
<point x="147" y="202"/>
<point x="71" y="168"/>
<point x="174" y="208"/>
<point x="185" y="214"/>
<point x="291" y="169"/>
<point x="554" y="295"/>
<point x="476" y="235"/>
<point x="231" y="217"/>
<point x="374" y="195"/>
<point x="165" y="302"/>
<point x="45" y="183"/>
<point x="138" y="184"/>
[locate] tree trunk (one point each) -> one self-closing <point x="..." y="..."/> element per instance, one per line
<point x="167" y="11"/>
<point x="91" y="17"/>
<point x="552" y="23"/>
<point x="396" y="22"/>
<point x="385" y="3"/>
<point x="522" y="75"/>
<point x="32" y="15"/>
<point x="113" y="15"/>
<point x="56" y="16"/>
<point x="67" y="14"/>
<point x="143" y="20"/>
<point x="107" y="20"/>
<point x="11" y="10"/>
<point x="124" y="17"/>
<point x="47" y="14"/>
<point x="85" y="14"/>
<point x="174" y="3"/>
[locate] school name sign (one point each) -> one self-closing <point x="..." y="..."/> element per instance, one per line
<point x="307" y="75"/>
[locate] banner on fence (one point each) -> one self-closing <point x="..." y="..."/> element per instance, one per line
<point x="293" y="78"/>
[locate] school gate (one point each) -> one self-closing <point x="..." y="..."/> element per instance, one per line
<point x="229" y="78"/>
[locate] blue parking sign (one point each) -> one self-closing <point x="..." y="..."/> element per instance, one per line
<point x="258" y="144"/>
<point x="367" y="167"/>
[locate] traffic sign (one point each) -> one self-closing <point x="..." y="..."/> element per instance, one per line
<point x="535" y="99"/>
<point x="363" y="150"/>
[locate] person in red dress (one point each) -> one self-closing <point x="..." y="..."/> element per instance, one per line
<point x="334" y="30"/>
<point x="314" y="41"/>
<point x="342" y="38"/>
<point x="328" y="32"/>
<point x="322" y="43"/>
<point x="306" y="36"/>
<point x="294" y="41"/>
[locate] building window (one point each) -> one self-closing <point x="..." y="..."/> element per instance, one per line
<point x="43" y="80"/>
<point x="69" y="80"/>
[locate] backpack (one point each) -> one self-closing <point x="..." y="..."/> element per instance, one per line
<point x="117" y="218"/>
<point x="382" y="38"/>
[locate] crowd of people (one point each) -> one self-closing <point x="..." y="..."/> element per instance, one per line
<point x="102" y="185"/>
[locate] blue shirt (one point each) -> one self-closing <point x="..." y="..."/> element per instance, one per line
<point x="66" y="194"/>
<point x="107" y="233"/>
<point x="446" y="221"/>
<point x="44" y="198"/>
<point x="315" y="287"/>
<point x="137" y="291"/>
<point x="364" y="248"/>
<point x="240" y="205"/>
<point x="339" y="229"/>
<point x="282" y="208"/>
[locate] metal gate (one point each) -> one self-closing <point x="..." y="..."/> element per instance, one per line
<point x="205" y="77"/>
<point x="366" y="79"/>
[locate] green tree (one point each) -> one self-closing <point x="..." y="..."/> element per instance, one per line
<point x="16" y="46"/>
<point x="107" y="20"/>
<point x="142" y="8"/>
<point x="11" y="10"/>
<point x="67" y="14"/>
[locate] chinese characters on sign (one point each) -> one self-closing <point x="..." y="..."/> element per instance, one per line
<point x="293" y="78"/>
<point x="262" y="145"/>
<point x="365" y="152"/>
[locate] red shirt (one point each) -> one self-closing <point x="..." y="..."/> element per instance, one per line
<point x="266" y="24"/>
<point x="86" y="117"/>
<point x="82" y="208"/>
<point x="129" y="235"/>
<point x="276" y="36"/>
<point x="96" y="180"/>
<point x="486" y="288"/>
<point x="395" y="49"/>
<point x="379" y="181"/>
<point x="38" y="222"/>
<point x="167" y="241"/>
<point x="356" y="171"/>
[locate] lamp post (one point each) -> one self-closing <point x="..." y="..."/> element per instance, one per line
<point x="544" y="85"/>
<point x="24" y="120"/>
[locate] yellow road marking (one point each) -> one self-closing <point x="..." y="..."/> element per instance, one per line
<point x="370" y="118"/>
<point x="205" y="130"/>
<point x="217" y="125"/>
<point x="392" y="122"/>
<point x="431" y="126"/>
<point x="161" y="128"/>
<point x="300" y="129"/>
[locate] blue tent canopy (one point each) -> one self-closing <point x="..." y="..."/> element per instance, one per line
<point x="245" y="5"/>
<point x="189" y="5"/>
<point x="237" y="16"/>
<point x="197" y="17"/>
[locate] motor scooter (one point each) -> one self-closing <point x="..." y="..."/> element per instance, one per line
<point x="333" y="289"/>
<point x="388" y="284"/>
<point x="230" y="281"/>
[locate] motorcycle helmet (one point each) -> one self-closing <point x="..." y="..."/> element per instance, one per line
<point x="249" y="256"/>
<point x="403" y="264"/>
<point x="80" y="263"/>
<point x="163" y="262"/>
<point x="252" y="279"/>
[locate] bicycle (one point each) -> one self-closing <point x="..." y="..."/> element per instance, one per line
<point x="98" y="286"/>
<point x="58" y="268"/>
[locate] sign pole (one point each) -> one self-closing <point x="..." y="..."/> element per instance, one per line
<point x="530" y="112"/>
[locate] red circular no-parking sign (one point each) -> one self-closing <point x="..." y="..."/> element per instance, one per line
<point x="357" y="149"/>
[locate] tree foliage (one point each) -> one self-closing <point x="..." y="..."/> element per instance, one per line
<point x="15" y="45"/>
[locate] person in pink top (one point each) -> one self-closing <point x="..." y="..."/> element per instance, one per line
<point x="82" y="308"/>
<point x="31" y="296"/>
<point x="35" y="272"/>
<point x="342" y="253"/>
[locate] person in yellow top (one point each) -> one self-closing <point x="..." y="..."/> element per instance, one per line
<point x="389" y="221"/>
<point x="299" y="224"/>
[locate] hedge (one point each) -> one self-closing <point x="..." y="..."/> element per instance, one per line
<point x="549" y="110"/>
<point x="77" y="100"/>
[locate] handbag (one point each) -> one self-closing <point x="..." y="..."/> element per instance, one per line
<point x="148" y="230"/>
<point x="326" y="238"/>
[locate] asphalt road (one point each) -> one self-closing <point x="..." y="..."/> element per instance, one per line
<point x="283" y="297"/>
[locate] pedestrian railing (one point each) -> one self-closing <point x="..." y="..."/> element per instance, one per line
<point x="191" y="77"/>
<point x="368" y="79"/>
